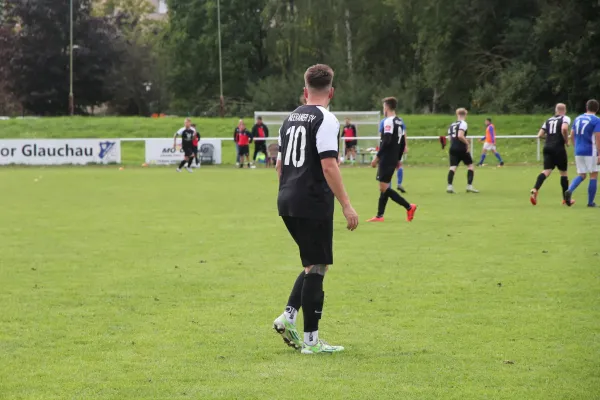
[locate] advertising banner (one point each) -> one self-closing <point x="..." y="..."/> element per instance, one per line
<point x="59" y="151"/>
<point x="162" y="152"/>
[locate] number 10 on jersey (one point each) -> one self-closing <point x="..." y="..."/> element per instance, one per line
<point x="295" y="134"/>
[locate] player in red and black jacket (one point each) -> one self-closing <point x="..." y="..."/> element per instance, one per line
<point x="243" y="138"/>
<point x="259" y="132"/>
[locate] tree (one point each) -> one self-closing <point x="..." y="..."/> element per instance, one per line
<point x="38" y="69"/>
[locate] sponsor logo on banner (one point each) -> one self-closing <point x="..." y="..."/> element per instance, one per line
<point x="162" y="152"/>
<point x="59" y="151"/>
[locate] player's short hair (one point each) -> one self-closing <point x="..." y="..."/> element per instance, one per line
<point x="462" y="112"/>
<point x="488" y="119"/>
<point x="592" y="105"/>
<point x="259" y="118"/>
<point x="319" y="77"/>
<point x="561" y="107"/>
<point x="188" y="119"/>
<point x="391" y="102"/>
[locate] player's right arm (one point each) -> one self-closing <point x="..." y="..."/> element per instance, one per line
<point x="278" y="163"/>
<point x="178" y="133"/>
<point x="542" y="132"/>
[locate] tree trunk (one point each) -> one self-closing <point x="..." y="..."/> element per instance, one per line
<point x="348" y="41"/>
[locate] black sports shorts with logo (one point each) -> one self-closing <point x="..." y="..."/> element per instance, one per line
<point x="385" y="173"/>
<point x="350" y="144"/>
<point x="188" y="150"/>
<point x="314" y="238"/>
<point x="556" y="158"/>
<point x="458" y="156"/>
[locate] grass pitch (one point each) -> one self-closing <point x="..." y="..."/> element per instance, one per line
<point x="145" y="283"/>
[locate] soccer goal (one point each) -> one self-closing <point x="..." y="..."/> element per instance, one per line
<point x="367" y="124"/>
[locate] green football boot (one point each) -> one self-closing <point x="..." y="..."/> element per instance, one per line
<point x="288" y="332"/>
<point x="321" y="347"/>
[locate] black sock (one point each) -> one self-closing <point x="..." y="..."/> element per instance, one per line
<point x="182" y="164"/>
<point x="383" y="199"/>
<point x="540" y="181"/>
<point x="470" y="176"/>
<point x="190" y="162"/>
<point x="392" y="194"/>
<point x="295" y="299"/>
<point x="197" y="160"/>
<point x="450" y="177"/>
<point x="312" y="301"/>
<point x="564" y="183"/>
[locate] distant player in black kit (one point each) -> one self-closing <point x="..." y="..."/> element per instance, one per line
<point x="187" y="134"/>
<point x="460" y="151"/>
<point x="309" y="178"/>
<point x="391" y="149"/>
<point x="556" y="132"/>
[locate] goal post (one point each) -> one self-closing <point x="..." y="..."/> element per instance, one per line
<point x="367" y="123"/>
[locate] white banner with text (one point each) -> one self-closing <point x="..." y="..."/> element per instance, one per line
<point x="162" y="152"/>
<point x="59" y="151"/>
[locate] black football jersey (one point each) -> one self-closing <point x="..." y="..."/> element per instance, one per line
<point x="187" y="135"/>
<point x="309" y="134"/>
<point x="392" y="142"/>
<point x="553" y="129"/>
<point x="455" y="143"/>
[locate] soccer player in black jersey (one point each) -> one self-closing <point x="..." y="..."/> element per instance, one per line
<point x="460" y="151"/>
<point x="556" y="132"/>
<point x="309" y="179"/>
<point x="187" y="134"/>
<point x="391" y="149"/>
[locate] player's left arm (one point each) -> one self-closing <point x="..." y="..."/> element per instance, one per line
<point x="597" y="136"/>
<point x="564" y="129"/>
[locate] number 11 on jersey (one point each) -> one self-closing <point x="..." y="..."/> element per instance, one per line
<point x="294" y="134"/>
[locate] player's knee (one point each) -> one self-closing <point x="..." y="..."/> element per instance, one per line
<point x="319" y="269"/>
<point x="547" y="172"/>
<point x="453" y="169"/>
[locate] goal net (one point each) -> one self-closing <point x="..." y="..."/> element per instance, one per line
<point x="367" y="125"/>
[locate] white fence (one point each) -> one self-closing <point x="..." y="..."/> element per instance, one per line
<point x="157" y="151"/>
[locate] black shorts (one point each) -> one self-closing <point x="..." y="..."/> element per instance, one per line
<point x="351" y="144"/>
<point x="458" y="156"/>
<point x="243" y="150"/>
<point x="556" y="158"/>
<point x="260" y="146"/>
<point x="188" y="151"/>
<point x="385" y="173"/>
<point x="314" y="239"/>
<point x="195" y="150"/>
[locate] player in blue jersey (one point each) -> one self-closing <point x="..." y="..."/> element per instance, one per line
<point x="400" y="171"/>
<point x="586" y="139"/>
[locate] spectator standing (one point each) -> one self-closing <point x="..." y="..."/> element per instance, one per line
<point x="236" y="132"/>
<point x="243" y="138"/>
<point x="259" y="133"/>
